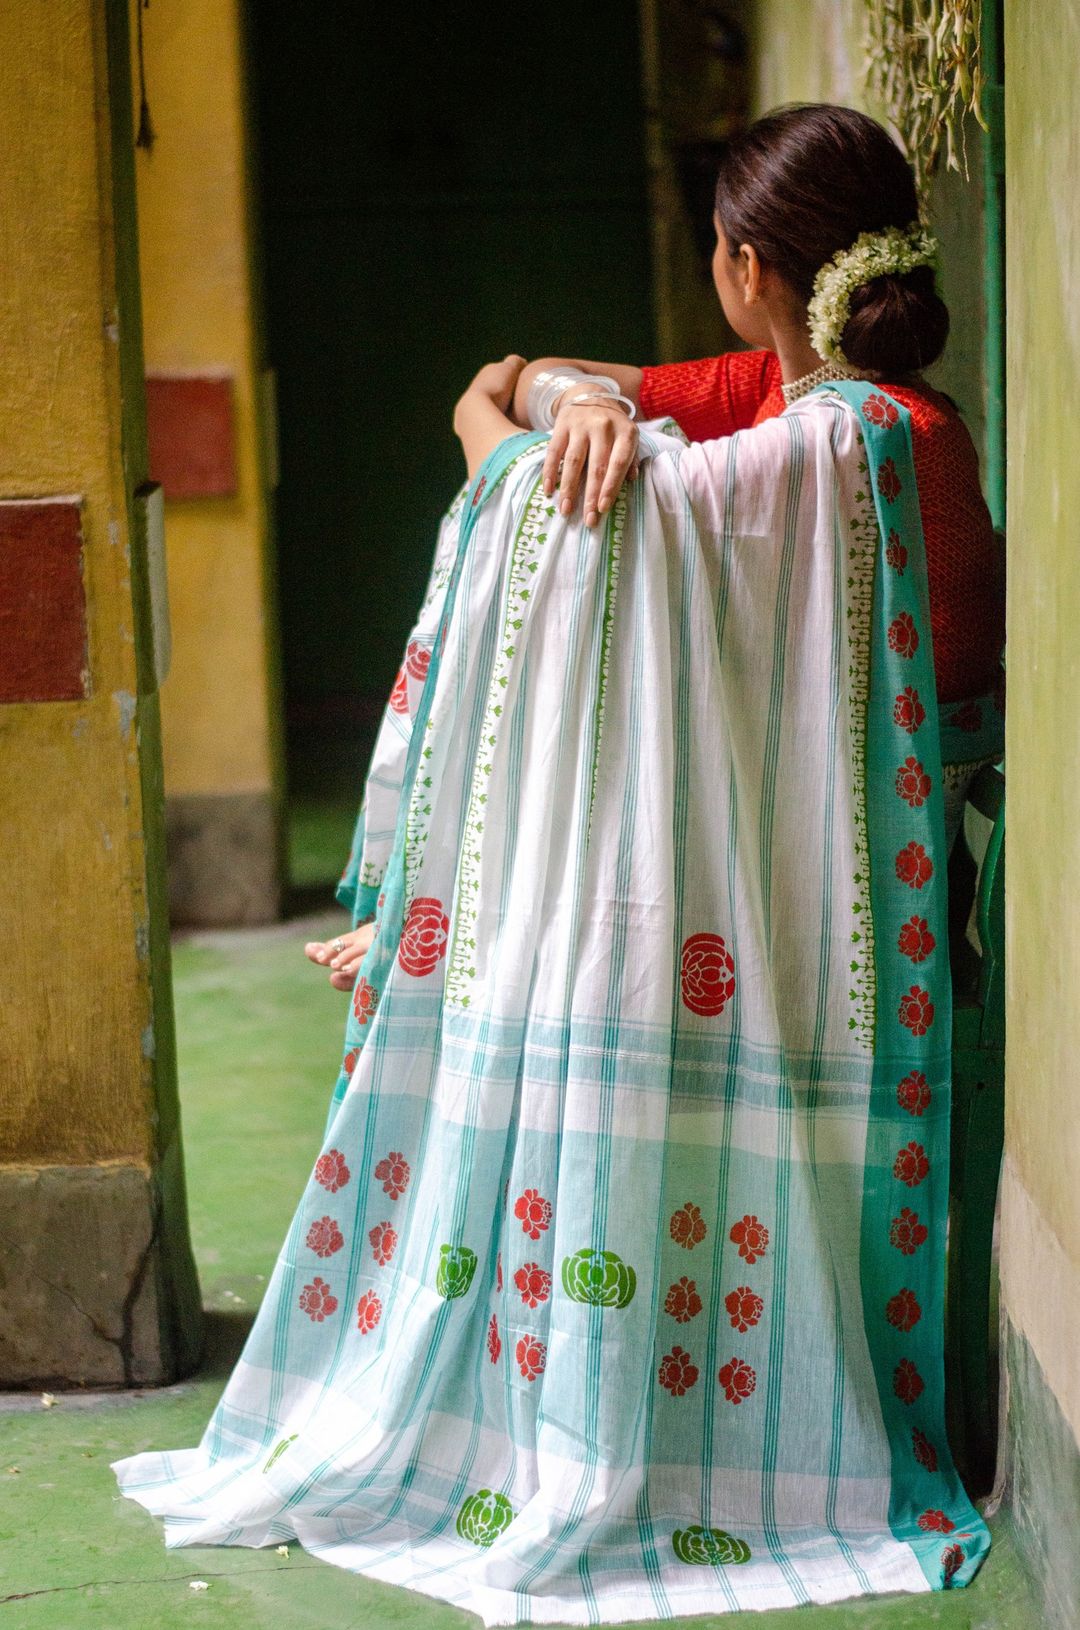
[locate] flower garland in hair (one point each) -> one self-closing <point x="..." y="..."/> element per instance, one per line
<point x="873" y="254"/>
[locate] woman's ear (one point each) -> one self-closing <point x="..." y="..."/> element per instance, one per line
<point x="749" y="274"/>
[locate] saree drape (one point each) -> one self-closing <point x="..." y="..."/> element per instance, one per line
<point x="616" y="1291"/>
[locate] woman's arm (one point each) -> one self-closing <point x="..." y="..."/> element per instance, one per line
<point x="594" y="443"/>
<point x="481" y="418"/>
<point x="627" y="378"/>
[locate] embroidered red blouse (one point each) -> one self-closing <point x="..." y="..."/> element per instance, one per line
<point x="719" y="395"/>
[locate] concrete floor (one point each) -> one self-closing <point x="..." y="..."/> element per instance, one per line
<point x="259" y="1035"/>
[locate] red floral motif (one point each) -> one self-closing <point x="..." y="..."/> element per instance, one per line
<point x="738" y="1380"/>
<point x="908" y="1384"/>
<point x="423" y="938"/>
<point x="349" y="1062"/>
<point x="936" y="1522"/>
<point x="907" y="1233"/>
<point x="498" y="1271"/>
<point x="368" y="1312"/>
<point x="952" y="1560"/>
<point x="916" y="940"/>
<point x="879" y="410"/>
<point x="533" y="1212"/>
<point x="744" y="1307"/>
<point x="896" y="554"/>
<point x="707" y="975"/>
<point x="480" y="485"/>
<point x="316" y="1300"/>
<point x="365" y="1000"/>
<point x="383" y="1242"/>
<point x="916" y="1011"/>
<point x="912" y="783"/>
<point x="911" y="1165"/>
<point x="914" y="866"/>
<point x="752" y="1238"/>
<point x="908" y="711"/>
<point x="913" y="1093"/>
<point x="677" y="1372"/>
<point x="331" y="1170"/>
<point x="683" y="1302"/>
<point x="393" y="1173"/>
<point x="494" y="1340"/>
<point x="399" y="696"/>
<point x="417" y="660"/>
<point x="325" y="1237"/>
<point x="531" y="1355"/>
<point x="903" y="1310"/>
<point x="888" y="482"/>
<point x="534" y="1283"/>
<point x="924" y="1450"/>
<point x="903" y="635"/>
<point x="967" y="717"/>
<point x="380" y="900"/>
<point x="687" y="1227"/>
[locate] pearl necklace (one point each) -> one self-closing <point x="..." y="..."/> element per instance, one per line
<point x="809" y="382"/>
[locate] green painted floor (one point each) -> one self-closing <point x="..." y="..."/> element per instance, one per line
<point x="259" y="1033"/>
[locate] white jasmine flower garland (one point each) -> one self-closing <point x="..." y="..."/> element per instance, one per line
<point x="873" y="254"/>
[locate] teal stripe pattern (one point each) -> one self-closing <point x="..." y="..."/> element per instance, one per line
<point x="615" y="1291"/>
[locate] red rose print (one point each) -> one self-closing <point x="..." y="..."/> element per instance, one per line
<point x="683" y="1302"/>
<point x="331" y="1170"/>
<point x="744" y="1307"/>
<point x="914" y="866"/>
<point x="365" y="1000"/>
<point x="417" y="660"/>
<point x="393" y="1173"/>
<point x="967" y="717"/>
<point x="879" y="410"/>
<point x="533" y="1283"/>
<point x="316" y="1300"/>
<point x="908" y="1384"/>
<point x="911" y="1165"/>
<point x="687" y="1228"/>
<point x="888" y="482"/>
<point x="498" y="1271"/>
<point x="916" y="940"/>
<point x="349" y="1062"/>
<point x="399" y="696"/>
<point x="913" y="1093"/>
<point x="896" y="554"/>
<point x="707" y="975"/>
<point x="916" y="1011"/>
<point x="380" y="900"/>
<point x="325" y="1237"/>
<point x="936" y="1522"/>
<point x="903" y="1311"/>
<point x="903" y="635"/>
<point x="677" y="1373"/>
<point x="531" y="1355"/>
<point x="952" y="1560"/>
<point x="383" y="1241"/>
<point x="908" y="711"/>
<point x="480" y="485"/>
<point x="738" y="1380"/>
<point x="494" y="1341"/>
<point x="907" y="1233"/>
<point x="924" y="1450"/>
<point x="912" y="783"/>
<point x="368" y="1312"/>
<point x="533" y="1212"/>
<point x="423" y="938"/>
<point x="752" y="1238"/>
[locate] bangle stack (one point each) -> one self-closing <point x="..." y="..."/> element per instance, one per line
<point x="549" y="386"/>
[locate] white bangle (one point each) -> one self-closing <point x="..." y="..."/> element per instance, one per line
<point x="549" y="385"/>
<point x="584" y="398"/>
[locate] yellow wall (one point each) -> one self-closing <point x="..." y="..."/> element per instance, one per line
<point x="219" y="705"/>
<point x="1041" y="1220"/>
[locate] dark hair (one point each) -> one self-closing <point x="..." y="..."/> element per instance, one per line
<point x="801" y="184"/>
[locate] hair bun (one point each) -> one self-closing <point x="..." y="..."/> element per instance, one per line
<point x="898" y="324"/>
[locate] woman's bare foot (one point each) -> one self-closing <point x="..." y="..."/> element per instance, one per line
<point x="342" y="963"/>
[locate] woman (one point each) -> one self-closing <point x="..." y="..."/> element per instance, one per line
<point x="616" y="1291"/>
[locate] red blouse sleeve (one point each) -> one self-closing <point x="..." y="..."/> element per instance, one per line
<point x="713" y="397"/>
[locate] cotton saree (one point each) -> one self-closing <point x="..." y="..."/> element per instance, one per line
<point x="616" y="1291"/>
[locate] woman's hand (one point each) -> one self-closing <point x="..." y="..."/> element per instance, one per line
<point x="481" y="418"/>
<point x="602" y="440"/>
<point x="498" y="380"/>
<point x="344" y="963"/>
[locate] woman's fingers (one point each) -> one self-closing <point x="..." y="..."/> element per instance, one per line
<point x="622" y="466"/>
<point x="556" y="448"/>
<point x="342" y="981"/>
<point x="573" y="464"/>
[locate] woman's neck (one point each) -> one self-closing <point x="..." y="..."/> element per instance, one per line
<point x="796" y="355"/>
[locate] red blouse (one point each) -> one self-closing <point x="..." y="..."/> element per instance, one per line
<point x="719" y="395"/>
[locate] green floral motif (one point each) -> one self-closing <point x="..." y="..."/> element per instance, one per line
<point x="278" y="1449"/>
<point x="484" y="1516"/>
<point x="598" y="1277"/>
<point x="454" y="1275"/>
<point x="709" y="1547"/>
